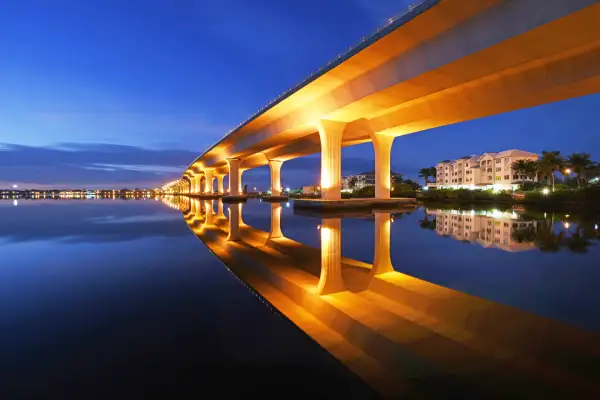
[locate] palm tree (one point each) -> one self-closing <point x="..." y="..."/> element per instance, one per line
<point x="579" y="163"/>
<point x="550" y="162"/>
<point x="527" y="168"/>
<point x="425" y="173"/>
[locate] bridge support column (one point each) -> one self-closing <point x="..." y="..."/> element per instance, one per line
<point x="197" y="183"/>
<point x="275" y="167"/>
<point x="220" y="184"/>
<point x="330" y="133"/>
<point x="235" y="214"/>
<point x="208" y="187"/>
<point x="275" y="221"/>
<point x="382" y="144"/>
<point x="235" y="176"/>
<point x="382" y="261"/>
<point x="331" y="280"/>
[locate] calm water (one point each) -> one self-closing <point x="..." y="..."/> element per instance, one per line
<point x="109" y="297"/>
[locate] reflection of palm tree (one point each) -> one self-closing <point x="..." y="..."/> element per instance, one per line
<point x="524" y="235"/>
<point x="426" y="223"/>
<point x="578" y="242"/>
<point x="546" y="239"/>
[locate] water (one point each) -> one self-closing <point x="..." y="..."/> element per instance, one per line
<point x="110" y="297"/>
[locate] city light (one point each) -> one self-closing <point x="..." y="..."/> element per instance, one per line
<point x="567" y="225"/>
<point x="568" y="170"/>
<point x="546" y="191"/>
<point x="15" y="186"/>
<point x="15" y="202"/>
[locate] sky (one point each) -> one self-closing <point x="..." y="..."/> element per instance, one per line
<point x="127" y="93"/>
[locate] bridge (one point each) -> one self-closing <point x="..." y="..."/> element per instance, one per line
<point x="442" y="62"/>
<point x="403" y="336"/>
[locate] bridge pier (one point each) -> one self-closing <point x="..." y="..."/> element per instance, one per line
<point x="208" y="186"/>
<point x="197" y="183"/>
<point x="235" y="176"/>
<point x="382" y="145"/>
<point x="220" y="189"/>
<point x="330" y="134"/>
<point x="275" y="167"/>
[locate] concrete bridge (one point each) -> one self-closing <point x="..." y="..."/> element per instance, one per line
<point x="402" y="335"/>
<point x="440" y="63"/>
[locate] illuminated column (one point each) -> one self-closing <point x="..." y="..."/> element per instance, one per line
<point x="275" y="221"/>
<point x="235" y="211"/>
<point x="220" y="184"/>
<point x="197" y="180"/>
<point x="275" y="167"/>
<point x="235" y="176"/>
<point x="208" y="186"/>
<point x="330" y="133"/>
<point x="331" y="280"/>
<point x="382" y="261"/>
<point x="382" y="144"/>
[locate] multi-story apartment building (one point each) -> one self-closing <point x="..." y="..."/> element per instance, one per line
<point x="365" y="179"/>
<point x="489" y="229"/>
<point x="485" y="171"/>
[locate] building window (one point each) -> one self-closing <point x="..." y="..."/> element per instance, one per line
<point x="498" y="169"/>
<point x="498" y="178"/>
<point x="507" y="177"/>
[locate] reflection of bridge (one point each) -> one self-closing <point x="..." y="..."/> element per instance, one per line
<point x="400" y="334"/>
<point x="444" y="62"/>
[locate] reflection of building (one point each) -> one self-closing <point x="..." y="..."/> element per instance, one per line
<point x="359" y="181"/>
<point x="488" y="228"/>
<point x="486" y="171"/>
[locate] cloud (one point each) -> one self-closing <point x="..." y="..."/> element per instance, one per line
<point x="92" y="165"/>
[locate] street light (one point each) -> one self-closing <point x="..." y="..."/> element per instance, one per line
<point x="568" y="170"/>
<point x="546" y="191"/>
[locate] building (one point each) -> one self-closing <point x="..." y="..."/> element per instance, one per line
<point x="490" y="229"/>
<point x="365" y="179"/>
<point x="310" y="189"/>
<point x="485" y="171"/>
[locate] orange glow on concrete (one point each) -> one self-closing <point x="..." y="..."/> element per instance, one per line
<point x="275" y="167"/>
<point x="330" y="134"/>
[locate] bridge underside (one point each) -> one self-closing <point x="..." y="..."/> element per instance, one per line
<point x="444" y="85"/>
<point x="452" y="61"/>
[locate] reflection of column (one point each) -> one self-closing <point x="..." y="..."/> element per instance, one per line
<point x="330" y="133"/>
<point x="275" y="167"/>
<point x="208" y="187"/>
<point x="220" y="184"/>
<point x="208" y="205"/>
<point x="382" y="145"/>
<point x="275" y="221"/>
<point x="194" y="208"/>
<point x="197" y="180"/>
<point x="331" y="280"/>
<point x="220" y="213"/>
<point x="235" y="180"/>
<point x="382" y="262"/>
<point x="235" y="211"/>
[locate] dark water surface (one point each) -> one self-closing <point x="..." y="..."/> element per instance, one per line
<point x="112" y="298"/>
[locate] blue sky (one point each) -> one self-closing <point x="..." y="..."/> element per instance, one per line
<point x="127" y="92"/>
